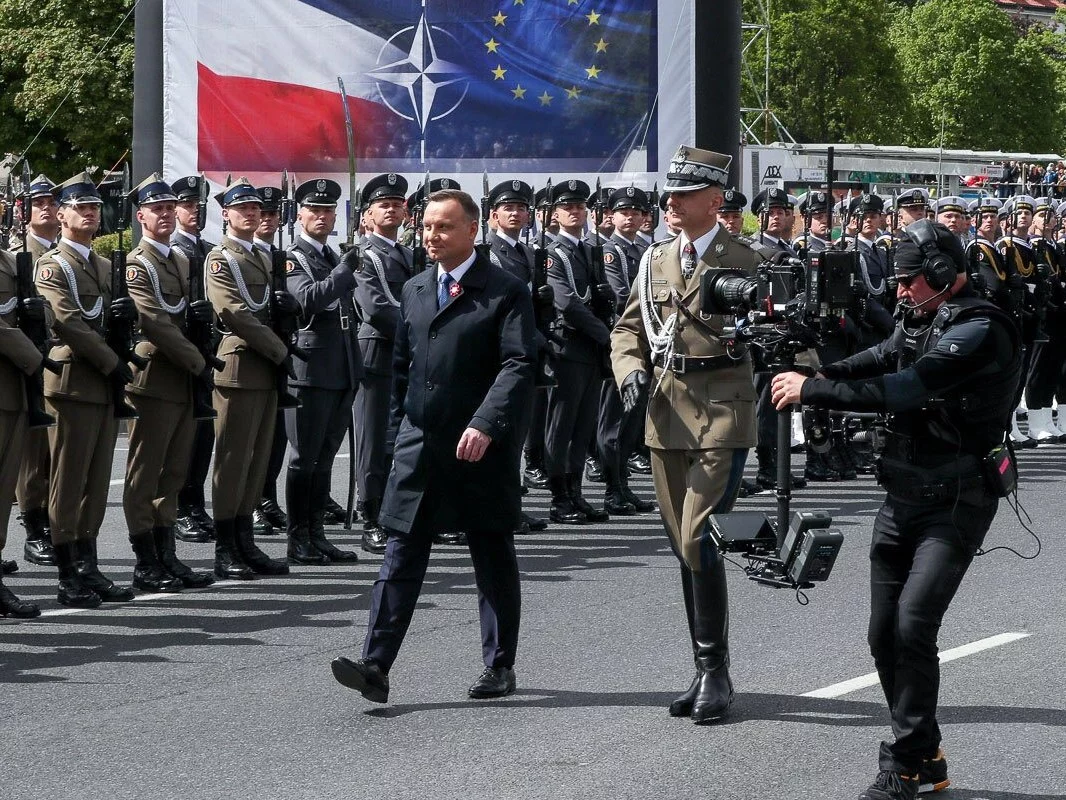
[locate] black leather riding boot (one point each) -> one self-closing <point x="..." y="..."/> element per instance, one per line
<point x="711" y="627"/>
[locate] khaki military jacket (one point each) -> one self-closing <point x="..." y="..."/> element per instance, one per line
<point x="81" y="349"/>
<point x="172" y="359"/>
<point x="249" y="347"/>
<point x="18" y="356"/>
<point x="698" y="410"/>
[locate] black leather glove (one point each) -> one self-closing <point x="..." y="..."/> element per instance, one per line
<point x="351" y="259"/>
<point x="286" y="303"/>
<point x="202" y="311"/>
<point x="207" y="376"/>
<point x="121" y="373"/>
<point x="634" y="390"/>
<point x="33" y="308"/>
<point x="287" y="365"/>
<point x="123" y="310"/>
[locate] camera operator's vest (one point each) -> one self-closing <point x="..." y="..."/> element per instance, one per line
<point x="970" y="418"/>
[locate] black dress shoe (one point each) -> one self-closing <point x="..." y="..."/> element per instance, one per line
<point x="273" y="514"/>
<point x="323" y="545"/>
<point x="714" y="696"/>
<point x="204" y="520"/>
<point x="535" y="523"/>
<point x="189" y="529"/>
<point x="336" y="514"/>
<point x="450" y="537"/>
<point x="260" y="524"/>
<point x="9" y="567"/>
<point x="375" y="540"/>
<point x="592" y="514"/>
<point x="168" y="557"/>
<point x="593" y="470"/>
<point x="364" y="675"/>
<point x="88" y="570"/>
<point x="535" y="478"/>
<point x="493" y="682"/>
<point x="12" y="606"/>
<point x="565" y="513"/>
<point x="642" y="506"/>
<point x="639" y="464"/>
<point x="522" y="529"/>
<point x="38" y="549"/>
<point x="615" y="504"/>
<point x="682" y="705"/>
<point x="300" y="549"/>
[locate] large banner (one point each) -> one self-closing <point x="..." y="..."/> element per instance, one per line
<point x="514" y="88"/>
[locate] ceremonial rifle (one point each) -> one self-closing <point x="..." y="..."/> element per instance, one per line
<point x="120" y="332"/>
<point x="284" y="324"/>
<point x="483" y="247"/>
<point x="543" y="304"/>
<point x="351" y="243"/>
<point x="36" y="330"/>
<point x="654" y="208"/>
<point x="419" y="260"/>
<point x="201" y="334"/>
<point x="604" y="303"/>
<point x="225" y="224"/>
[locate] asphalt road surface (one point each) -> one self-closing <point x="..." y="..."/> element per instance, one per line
<point x="227" y="693"/>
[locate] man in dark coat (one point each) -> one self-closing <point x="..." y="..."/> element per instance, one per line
<point x="464" y="363"/>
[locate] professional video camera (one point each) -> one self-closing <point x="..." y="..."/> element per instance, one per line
<point x="786" y="307"/>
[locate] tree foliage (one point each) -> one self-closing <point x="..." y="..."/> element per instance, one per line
<point x="833" y="73"/>
<point x="49" y="48"/>
<point x="971" y="74"/>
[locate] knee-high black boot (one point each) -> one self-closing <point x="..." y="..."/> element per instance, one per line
<point x="682" y="706"/>
<point x="711" y="626"/>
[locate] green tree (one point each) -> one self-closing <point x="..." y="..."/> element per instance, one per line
<point x="974" y="77"/>
<point x="49" y="48"/>
<point x="833" y="72"/>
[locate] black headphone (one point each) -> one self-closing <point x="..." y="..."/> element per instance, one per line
<point x="938" y="268"/>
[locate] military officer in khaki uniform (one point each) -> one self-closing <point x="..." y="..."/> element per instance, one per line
<point x="32" y="489"/>
<point x="238" y="286"/>
<point x="19" y="360"/>
<point x="161" y="438"/>
<point x="701" y="406"/>
<point x="77" y="284"/>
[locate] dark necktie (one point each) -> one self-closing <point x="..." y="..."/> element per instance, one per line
<point x="688" y="261"/>
<point x="329" y="255"/>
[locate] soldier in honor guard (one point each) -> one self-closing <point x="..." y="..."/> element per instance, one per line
<point x="239" y="288"/>
<point x="545" y="216"/>
<point x="875" y="321"/>
<point x="912" y="205"/>
<point x="385" y="268"/>
<point x="814" y="210"/>
<point x="32" y="489"/>
<point x="193" y="523"/>
<point x="731" y="214"/>
<point x="161" y="437"/>
<point x="951" y="212"/>
<point x="1049" y="351"/>
<point x="619" y="434"/>
<point x="268" y="515"/>
<point x="511" y="204"/>
<point x="327" y="382"/>
<point x="701" y="407"/>
<point x="573" y="402"/>
<point x="20" y="363"/>
<point x="774" y="209"/>
<point x="77" y="284"/>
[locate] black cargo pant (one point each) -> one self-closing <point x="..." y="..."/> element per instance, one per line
<point x="918" y="556"/>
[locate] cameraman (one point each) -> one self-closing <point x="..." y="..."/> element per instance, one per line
<point x="947" y="378"/>
<point x="701" y="406"/>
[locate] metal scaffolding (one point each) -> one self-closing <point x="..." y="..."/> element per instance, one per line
<point x="755" y="56"/>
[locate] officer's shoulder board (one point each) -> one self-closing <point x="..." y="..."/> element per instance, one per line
<point x="747" y="241"/>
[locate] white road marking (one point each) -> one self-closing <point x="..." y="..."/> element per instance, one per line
<point x="863" y="681"/>
<point x="67" y="612"/>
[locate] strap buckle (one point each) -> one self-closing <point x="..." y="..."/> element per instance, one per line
<point x="344" y="320"/>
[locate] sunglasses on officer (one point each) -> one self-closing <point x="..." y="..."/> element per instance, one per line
<point x="908" y="279"/>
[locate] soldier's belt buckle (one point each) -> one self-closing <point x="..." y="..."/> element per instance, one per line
<point x="678" y="366"/>
<point x="344" y="322"/>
